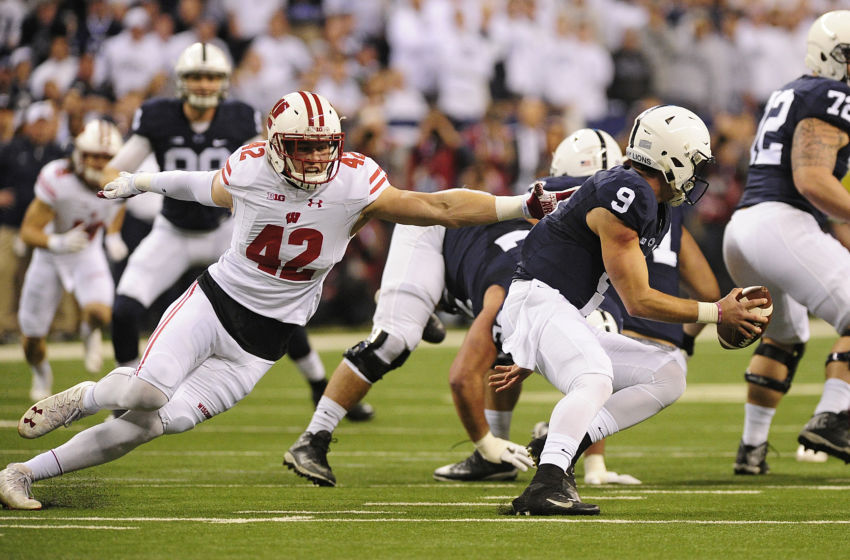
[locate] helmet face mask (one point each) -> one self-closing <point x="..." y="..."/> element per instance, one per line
<point x="305" y="139"/>
<point x="828" y="46"/>
<point x="676" y="142"/>
<point x="584" y="152"/>
<point x="93" y="148"/>
<point x="198" y="67"/>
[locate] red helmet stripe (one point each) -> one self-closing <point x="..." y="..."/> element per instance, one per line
<point x="309" y="107"/>
<point x="319" y="109"/>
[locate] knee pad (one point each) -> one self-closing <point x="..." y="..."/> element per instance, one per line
<point x="141" y="395"/>
<point x="178" y="424"/>
<point x="790" y="359"/>
<point x="668" y="384"/>
<point x="378" y="354"/>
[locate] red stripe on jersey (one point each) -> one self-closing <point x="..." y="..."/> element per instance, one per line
<point x="375" y="175"/>
<point x="46" y="187"/>
<point x="309" y="107"/>
<point x="225" y="173"/>
<point x="378" y="186"/>
<point x="165" y="321"/>
<point x="319" y="110"/>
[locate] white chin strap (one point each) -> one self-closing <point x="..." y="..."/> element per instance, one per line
<point x="202" y="101"/>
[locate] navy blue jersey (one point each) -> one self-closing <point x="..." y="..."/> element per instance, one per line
<point x="565" y="254"/>
<point x="769" y="177"/>
<point x="663" y="266"/>
<point x="478" y="257"/>
<point x="177" y="146"/>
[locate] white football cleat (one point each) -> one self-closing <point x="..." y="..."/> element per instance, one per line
<point x="93" y="345"/>
<point x="16" y="487"/>
<point x="57" y="410"/>
<point x="810" y="455"/>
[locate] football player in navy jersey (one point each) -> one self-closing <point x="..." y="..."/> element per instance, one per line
<point x="677" y="260"/>
<point x="195" y="131"/>
<point x="775" y="238"/>
<point x="603" y="233"/>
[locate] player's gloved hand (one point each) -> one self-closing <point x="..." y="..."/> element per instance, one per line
<point x="19" y="247"/>
<point x="123" y="186"/>
<point x="541" y="202"/>
<point x="116" y="249"/>
<point x="610" y="477"/>
<point x="72" y="241"/>
<point x="498" y="450"/>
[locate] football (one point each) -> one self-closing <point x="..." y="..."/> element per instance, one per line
<point x="729" y="337"/>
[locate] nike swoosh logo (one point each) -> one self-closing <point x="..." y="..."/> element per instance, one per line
<point x="566" y="505"/>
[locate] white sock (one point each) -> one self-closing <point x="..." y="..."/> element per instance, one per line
<point x="602" y="426"/>
<point x="559" y="450"/>
<point x="757" y="421"/>
<point x="835" y="397"/>
<point x="43" y="371"/>
<point x="311" y="366"/>
<point x="44" y="466"/>
<point x="327" y="416"/>
<point x="85" y="330"/>
<point x="499" y="422"/>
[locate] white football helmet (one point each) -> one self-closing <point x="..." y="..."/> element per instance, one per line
<point x="676" y="142"/>
<point x="202" y="58"/>
<point x="99" y="138"/>
<point x="828" y="46"/>
<point x="584" y="152"/>
<point x="298" y="118"/>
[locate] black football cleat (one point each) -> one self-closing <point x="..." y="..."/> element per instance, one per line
<point x="751" y="459"/>
<point x="360" y="412"/>
<point x="434" y="331"/>
<point x="828" y="432"/>
<point x="308" y="457"/>
<point x="475" y="468"/>
<point x="552" y="492"/>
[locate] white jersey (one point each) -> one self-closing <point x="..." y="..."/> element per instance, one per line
<point x="285" y="239"/>
<point x="72" y="201"/>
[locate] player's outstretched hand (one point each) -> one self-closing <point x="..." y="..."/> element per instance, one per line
<point x="508" y="376"/>
<point x="541" y="202"/>
<point x="122" y="186"/>
<point x="737" y="313"/>
<point x="498" y="450"/>
<point x="72" y="241"/>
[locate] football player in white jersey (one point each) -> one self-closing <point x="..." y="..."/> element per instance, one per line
<point x="64" y="223"/>
<point x="297" y="200"/>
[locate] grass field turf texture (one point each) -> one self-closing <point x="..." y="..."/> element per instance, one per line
<point x="219" y="491"/>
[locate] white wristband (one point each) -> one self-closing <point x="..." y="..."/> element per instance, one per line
<point x="510" y="207"/>
<point x="708" y="312"/>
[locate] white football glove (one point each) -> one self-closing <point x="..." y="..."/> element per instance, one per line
<point x="123" y="186"/>
<point x="72" y="241"/>
<point x="609" y="477"/>
<point x="498" y="450"/>
<point x="116" y="249"/>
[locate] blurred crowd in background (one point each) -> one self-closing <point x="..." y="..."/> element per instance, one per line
<point x="442" y="93"/>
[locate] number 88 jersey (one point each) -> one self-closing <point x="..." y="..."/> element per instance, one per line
<point x="285" y="239"/>
<point x="770" y="177"/>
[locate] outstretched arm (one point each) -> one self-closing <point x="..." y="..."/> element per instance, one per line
<point x="456" y="207"/>
<point x="204" y="187"/>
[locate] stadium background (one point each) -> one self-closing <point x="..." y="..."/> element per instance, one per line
<point x="441" y="93"/>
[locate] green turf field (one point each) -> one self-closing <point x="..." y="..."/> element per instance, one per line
<point x="220" y="491"/>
